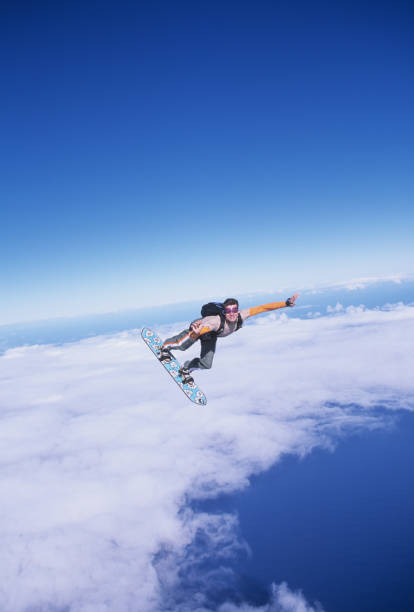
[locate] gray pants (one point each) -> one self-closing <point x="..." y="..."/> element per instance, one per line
<point x="183" y="341"/>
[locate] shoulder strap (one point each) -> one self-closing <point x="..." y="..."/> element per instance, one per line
<point x="222" y="322"/>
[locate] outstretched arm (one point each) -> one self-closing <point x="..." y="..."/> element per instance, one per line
<point x="272" y="306"/>
<point x="198" y="329"/>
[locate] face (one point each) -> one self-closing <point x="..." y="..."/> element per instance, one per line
<point x="231" y="313"/>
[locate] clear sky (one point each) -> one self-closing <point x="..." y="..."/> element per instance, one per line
<point x="158" y="152"/>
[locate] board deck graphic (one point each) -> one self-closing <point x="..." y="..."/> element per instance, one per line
<point x="191" y="390"/>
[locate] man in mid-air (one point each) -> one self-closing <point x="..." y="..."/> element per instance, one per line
<point x="227" y="319"/>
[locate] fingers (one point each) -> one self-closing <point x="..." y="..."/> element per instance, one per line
<point x="291" y="301"/>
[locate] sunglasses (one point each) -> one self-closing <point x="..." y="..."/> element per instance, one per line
<point x="231" y="310"/>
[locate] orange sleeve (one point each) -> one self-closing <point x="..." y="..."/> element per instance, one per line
<point x="265" y="308"/>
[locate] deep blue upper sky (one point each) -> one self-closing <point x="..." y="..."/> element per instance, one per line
<point x="157" y="152"/>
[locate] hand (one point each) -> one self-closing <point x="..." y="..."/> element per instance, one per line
<point x="196" y="326"/>
<point x="291" y="301"/>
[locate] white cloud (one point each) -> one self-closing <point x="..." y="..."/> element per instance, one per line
<point x="282" y="600"/>
<point x="361" y="283"/>
<point x="337" y="308"/>
<point x="285" y="600"/>
<point x="100" y="452"/>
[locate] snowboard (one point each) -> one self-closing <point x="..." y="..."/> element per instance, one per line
<point x="191" y="390"/>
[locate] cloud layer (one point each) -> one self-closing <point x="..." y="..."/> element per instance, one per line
<point x="100" y="453"/>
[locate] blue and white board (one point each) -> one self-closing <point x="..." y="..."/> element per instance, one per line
<point x="191" y="389"/>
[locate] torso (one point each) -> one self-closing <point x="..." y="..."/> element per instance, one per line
<point x="213" y="322"/>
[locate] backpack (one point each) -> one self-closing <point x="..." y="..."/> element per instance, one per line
<point x="217" y="308"/>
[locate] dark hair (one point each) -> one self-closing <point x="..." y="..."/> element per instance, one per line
<point x="231" y="302"/>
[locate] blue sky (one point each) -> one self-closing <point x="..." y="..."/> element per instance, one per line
<point x="164" y="152"/>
